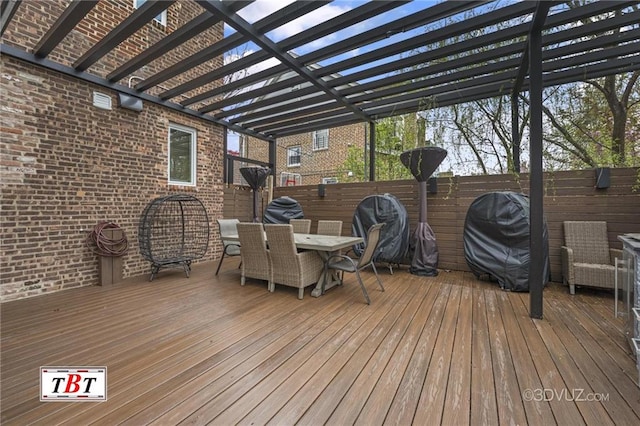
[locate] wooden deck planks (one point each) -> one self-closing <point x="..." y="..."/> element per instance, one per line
<point x="483" y="402"/>
<point x="439" y="350"/>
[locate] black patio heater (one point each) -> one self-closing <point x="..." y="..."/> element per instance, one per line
<point x="422" y="162"/>
<point x="255" y="177"/>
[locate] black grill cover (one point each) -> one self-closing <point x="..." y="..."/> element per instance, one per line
<point x="282" y="210"/>
<point x="496" y="239"/>
<point x="394" y="236"/>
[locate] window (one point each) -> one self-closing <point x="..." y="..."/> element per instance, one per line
<point x="321" y="139"/>
<point x="182" y="155"/>
<point x="162" y="16"/>
<point x="290" y="179"/>
<point x="293" y="155"/>
<point x="329" y="180"/>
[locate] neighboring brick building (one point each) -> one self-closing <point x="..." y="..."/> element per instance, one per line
<point x="67" y="164"/>
<point x="309" y="158"/>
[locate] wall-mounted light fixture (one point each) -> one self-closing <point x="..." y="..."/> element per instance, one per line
<point x="129" y="102"/>
<point x="603" y="178"/>
<point x="432" y="185"/>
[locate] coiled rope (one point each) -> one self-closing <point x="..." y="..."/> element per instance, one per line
<point x="100" y="243"/>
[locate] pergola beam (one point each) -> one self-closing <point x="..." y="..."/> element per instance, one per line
<point x="8" y="8"/>
<point x="289" y="12"/>
<point x="243" y="26"/>
<point x="67" y="21"/>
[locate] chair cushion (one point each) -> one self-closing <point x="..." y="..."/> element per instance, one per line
<point x="594" y="275"/>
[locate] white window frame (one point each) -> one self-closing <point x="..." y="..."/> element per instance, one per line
<point x="290" y="155"/>
<point x="329" y="180"/>
<point x="193" y="150"/>
<point x="321" y="139"/>
<point x="161" y="18"/>
<point x="290" y="179"/>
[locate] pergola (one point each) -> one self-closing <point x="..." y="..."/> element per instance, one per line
<point x="432" y="55"/>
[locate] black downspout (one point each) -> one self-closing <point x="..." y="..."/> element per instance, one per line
<point x="225" y="177"/>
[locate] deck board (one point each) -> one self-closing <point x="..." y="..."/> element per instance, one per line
<point x="440" y="350"/>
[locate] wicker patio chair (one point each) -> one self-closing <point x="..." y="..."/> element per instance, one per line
<point x="254" y="253"/>
<point x="230" y="248"/>
<point x="346" y="264"/>
<point x="288" y="267"/>
<point x="301" y="226"/>
<point x="330" y="227"/>
<point x="587" y="259"/>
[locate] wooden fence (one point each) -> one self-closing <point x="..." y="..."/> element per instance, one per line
<point x="568" y="196"/>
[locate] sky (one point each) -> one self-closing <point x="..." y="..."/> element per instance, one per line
<point x="262" y="8"/>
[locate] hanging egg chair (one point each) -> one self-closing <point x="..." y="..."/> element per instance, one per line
<point x="173" y="232"/>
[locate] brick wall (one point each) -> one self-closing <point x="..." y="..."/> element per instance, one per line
<point x="314" y="165"/>
<point x="67" y="165"/>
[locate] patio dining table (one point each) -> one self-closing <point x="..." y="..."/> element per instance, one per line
<point x="325" y="245"/>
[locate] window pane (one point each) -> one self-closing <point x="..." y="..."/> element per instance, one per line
<point x="181" y="156"/>
<point x="293" y="156"/>
<point x="321" y="139"/>
<point x="162" y="17"/>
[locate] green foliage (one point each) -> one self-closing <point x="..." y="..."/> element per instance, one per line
<point x="394" y="135"/>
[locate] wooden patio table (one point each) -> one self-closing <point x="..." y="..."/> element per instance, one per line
<point x="325" y="245"/>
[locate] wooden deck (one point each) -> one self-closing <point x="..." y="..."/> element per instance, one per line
<point x="445" y="350"/>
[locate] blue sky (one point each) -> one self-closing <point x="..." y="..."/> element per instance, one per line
<point x="261" y="8"/>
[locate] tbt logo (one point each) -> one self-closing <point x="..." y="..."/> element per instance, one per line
<point x="73" y="384"/>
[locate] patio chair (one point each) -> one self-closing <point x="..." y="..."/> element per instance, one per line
<point x="587" y="259"/>
<point x="230" y="248"/>
<point x="288" y="267"/>
<point x="346" y="264"/>
<point x="254" y="253"/>
<point x="301" y="226"/>
<point x="330" y="227"/>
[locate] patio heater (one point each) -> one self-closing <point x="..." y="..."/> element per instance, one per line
<point x="422" y="162"/>
<point x="255" y="177"/>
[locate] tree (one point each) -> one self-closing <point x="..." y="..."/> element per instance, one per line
<point x="394" y="135"/>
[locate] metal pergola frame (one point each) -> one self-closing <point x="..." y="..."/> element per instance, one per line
<point x="467" y="50"/>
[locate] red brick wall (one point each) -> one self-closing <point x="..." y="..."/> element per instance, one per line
<point x="66" y="165"/>
<point x="314" y="165"/>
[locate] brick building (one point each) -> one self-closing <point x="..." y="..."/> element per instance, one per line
<point x="306" y="158"/>
<point x="309" y="158"/>
<point x="72" y="157"/>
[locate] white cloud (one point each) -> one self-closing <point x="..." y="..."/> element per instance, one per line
<point x="309" y="20"/>
<point x="261" y="8"/>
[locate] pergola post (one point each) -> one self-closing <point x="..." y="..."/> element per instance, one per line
<point x="272" y="157"/>
<point x="372" y="151"/>
<point x="515" y="131"/>
<point x="536" y="265"/>
<point x="225" y="148"/>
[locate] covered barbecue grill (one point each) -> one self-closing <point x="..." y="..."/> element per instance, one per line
<point x="496" y="239"/>
<point x="394" y="236"/>
<point x="282" y="210"/>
